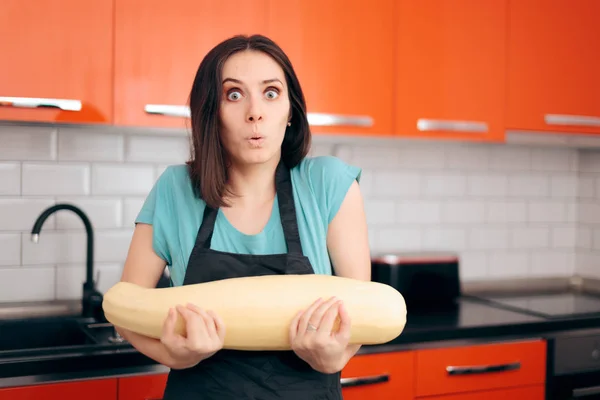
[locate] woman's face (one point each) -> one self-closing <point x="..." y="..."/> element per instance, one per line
<point x="255" y="108"/>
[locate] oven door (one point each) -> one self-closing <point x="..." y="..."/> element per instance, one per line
<point x="574" y="366"/>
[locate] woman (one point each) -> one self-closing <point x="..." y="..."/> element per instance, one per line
<point x="250" y="203"/>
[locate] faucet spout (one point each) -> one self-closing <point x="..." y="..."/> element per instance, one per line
<point x="90" y="294"/>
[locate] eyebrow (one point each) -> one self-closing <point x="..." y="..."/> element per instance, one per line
<point x="266" y="81"/>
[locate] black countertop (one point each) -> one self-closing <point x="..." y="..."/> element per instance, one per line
<point x="469" y="321"/>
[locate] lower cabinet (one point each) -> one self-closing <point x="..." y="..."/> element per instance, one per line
<point x="98" y="389"/>
<point x="536" y="392"/>
<point x="491" y="371"/>
<point x="145" y="387"/>
<point x="379" y="376"/>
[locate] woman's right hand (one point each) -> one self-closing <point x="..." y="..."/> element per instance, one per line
<point x="205" y="336"/>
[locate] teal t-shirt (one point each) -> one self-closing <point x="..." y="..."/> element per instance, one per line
<point x="319" y="183"/>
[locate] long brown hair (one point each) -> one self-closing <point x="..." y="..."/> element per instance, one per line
<point x="207" y="166"/>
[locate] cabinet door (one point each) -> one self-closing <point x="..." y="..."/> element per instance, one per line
<point x="159" y="46"/>
<point x="450" y="69"/>
<point x="147" y="387"/>
<point x="342" y="51"/>
<point x="480" y="367"/>
<point x="380" y="376"/>
<point x="101" y="389"/>
<point x="553" y="79"/>
<point x="537" y="392"/>
<point x="56" y="61"/>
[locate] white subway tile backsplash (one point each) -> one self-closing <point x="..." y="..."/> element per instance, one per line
<point x="19" y="214"/>
<point x="55" y="179"/>
<point x="27" y="143"/>
<point x="508" y="264"/>
<point x="510" y="158"/>
<point x="564" y="186"/>
<point x="10" y="178"/>
<point x="122" y="179"/>
<point x="463" y="212"/>
<point x="529" y="185"/>
<point x="444" y="239"/>
<point x="586" y="186"/>
<point x="417" y="212"/>
<point x="157" y="149"/>
<point x="530" y="237"/>
<point x="70" y="279"/>
<point x="112" y="246"/>
<point x="468" y="157"/>
<point x="396" y="184"/>
<point x="27" y="284"/>
<point x="131" y="209"/>
<point x="564" y="237"/>
<point x="380" y="212"/>
<point x="57" y="247"/>
<point x="486" y="238"/>
<point x="10" y="249"/>
<point x="487" y="185"/>
<point x="508" y="211"/>
<point x="544" y="211"/>
<point x="553" y="263"/>
<point x="445" y="185"/>
<point x="553" y="160"/>
<point x="104" y="213"/>
<point x="78" y="144"/>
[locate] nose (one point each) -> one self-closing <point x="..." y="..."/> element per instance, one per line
<point x="254" y="113"/>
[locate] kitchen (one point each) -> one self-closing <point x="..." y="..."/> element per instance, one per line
<point x="476" y="125"/>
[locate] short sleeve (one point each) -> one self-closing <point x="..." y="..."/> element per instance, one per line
<point x="330" y="179"/>
<point x="153" y="212"/>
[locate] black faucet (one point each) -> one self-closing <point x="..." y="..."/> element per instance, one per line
<point x="91" y="301"/>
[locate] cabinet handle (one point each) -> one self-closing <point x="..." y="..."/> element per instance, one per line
<point x="35" y="102"/>
<point x="168" y="110"/>
<point x="584" y="392"/>
<point x="455" y="126"/>
<point x="367" y="380"/>
<point x="561" y="119"/>
<point x="314" y="119"/>
<point x="482" y="369"/>
<point x="320" y="119"/>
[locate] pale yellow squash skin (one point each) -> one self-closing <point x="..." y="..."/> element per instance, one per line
<point x="257" y="311"/>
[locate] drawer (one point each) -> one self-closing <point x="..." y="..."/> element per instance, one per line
<point x="382" y="376"/>
<point x="480" y="367"/>
<point x="537" y="392"/>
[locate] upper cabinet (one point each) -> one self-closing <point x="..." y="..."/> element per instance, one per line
<point x="342" y="52"/>
<point x="57" y="62"/>
<point x="553" y="66"/>
<point x="159" y="46"/>
<point x="450" y="69"/>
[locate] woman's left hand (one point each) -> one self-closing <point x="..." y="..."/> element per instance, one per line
<point x="313" y="339"/>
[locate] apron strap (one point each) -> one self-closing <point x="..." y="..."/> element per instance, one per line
<point x="287" y="212"/>
<point x="287" y="209"/>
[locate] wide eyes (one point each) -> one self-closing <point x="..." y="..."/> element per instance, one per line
<point x="235" y="94"/>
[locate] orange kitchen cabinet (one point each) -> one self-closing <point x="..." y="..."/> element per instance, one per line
<point x="100" y="389"/>
<point x="379" y="376"/>
<point x="553" y="64"/>
<point x="343" y="54"/>
<point x="159" y="46"/>
<point x="480" y="367"/>
<point x="536" y="392"/>
<point x="56" y="61"/>
<point x="144" y="387"/>
<point x="450" y="67"/>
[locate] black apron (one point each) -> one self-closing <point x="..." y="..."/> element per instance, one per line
<point x="257" y="375"/>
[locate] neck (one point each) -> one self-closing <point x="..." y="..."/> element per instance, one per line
<point x="252" y="184"/>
